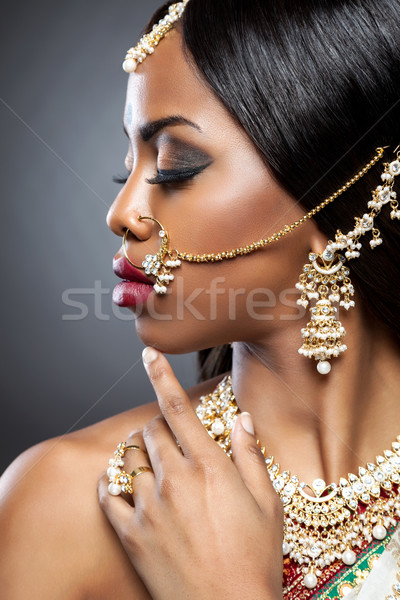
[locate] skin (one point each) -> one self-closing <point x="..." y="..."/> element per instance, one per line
<point x="200" y="517"/>
<point x="318" y="426"/>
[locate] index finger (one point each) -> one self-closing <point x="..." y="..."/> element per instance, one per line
<point x="175" y="404"/>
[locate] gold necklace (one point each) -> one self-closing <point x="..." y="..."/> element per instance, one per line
<point x="322" y="523"/>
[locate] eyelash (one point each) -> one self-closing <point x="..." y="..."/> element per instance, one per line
<point x="174" y="176"/>
<point x="167" y="177"/>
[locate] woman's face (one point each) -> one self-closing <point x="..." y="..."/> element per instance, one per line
<point x="232" y="201"/>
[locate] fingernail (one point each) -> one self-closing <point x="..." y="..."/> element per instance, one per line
<point x="149" y="355"/>
<point x="247" y="422"/>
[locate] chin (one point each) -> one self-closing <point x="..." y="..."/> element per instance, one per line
<point x="169" y="336"/>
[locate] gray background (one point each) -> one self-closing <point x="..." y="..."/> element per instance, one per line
<point x="62" y="93"/>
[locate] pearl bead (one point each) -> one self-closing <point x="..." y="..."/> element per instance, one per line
<point x="112" y="472"/>
<point x="379" y="532"/>
<point x="310" y="580"/>
<point x="218" y="427"/>
<point x="114" y="489"/>
<point x="285" y="548"/>
<point x="129" y="65"/>
<point x="323" y="367"/>
<point x="349" y="557"/>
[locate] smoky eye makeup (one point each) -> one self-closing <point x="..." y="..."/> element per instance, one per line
<point x="173" y="152"/>
<point x="175" y="176"/>
<point x="178" y="162"/>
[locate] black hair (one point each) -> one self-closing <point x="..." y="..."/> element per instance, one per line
<point x="316" y="86"/>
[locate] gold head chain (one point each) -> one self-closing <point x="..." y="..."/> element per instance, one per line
<point x="149" y="41"/>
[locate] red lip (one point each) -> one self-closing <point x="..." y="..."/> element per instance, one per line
<point x="124" y="270"/>
<point x="131" y="293"/>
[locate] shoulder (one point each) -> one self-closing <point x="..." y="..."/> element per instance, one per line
<point x="50" y="519"/>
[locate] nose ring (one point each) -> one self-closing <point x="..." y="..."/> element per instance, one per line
<point x="158" y="264"/>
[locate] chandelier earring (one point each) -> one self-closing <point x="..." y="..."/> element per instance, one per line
<point x="326" y="277"/>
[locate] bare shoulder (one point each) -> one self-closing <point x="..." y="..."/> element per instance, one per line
<point x="50" y="520"/>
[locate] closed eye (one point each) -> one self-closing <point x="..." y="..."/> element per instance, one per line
<point x="167" y="176"/>
<point x="164" y="176"/>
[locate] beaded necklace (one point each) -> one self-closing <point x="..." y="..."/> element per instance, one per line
<point x="322" y="523"/>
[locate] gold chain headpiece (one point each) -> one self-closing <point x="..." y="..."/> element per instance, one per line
<point x="149" y="41"/>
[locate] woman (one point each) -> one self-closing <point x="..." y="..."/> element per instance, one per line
<point x="251" y="116"/>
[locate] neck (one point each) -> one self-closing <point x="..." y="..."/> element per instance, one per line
<point x="322" y="425"/>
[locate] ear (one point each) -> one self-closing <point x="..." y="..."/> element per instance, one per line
<point x="318" y="242"/>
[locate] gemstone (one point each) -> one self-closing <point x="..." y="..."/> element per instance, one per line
<point x="385" y="195"/>
<point x="394" y="167"/>
<point x="367" y="480"/>
<point x="312" y="256"/>
<point x="358" y="488"/>
<point x="318" y="485"/>
<point x="314" y="551"/>
<point x="279" y="483"/>
<point x="289" y="489"/>
<point x="327" y="255"/>
<point x="347" y="493"/>
<point x="387" y="468"/>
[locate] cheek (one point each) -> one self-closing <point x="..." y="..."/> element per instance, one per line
<point x="210" y="303"/>
<point x="207" y="303"/>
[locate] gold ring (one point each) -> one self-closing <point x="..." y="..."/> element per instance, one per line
<point x="120" y="480"/>
<point x="140" y="470"/>
<point x="135" y="447"/>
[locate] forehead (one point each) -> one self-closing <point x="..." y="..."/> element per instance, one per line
<point x="164" y="84"/>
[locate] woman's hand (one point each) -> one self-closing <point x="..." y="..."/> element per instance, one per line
<point x="202" y="526"/>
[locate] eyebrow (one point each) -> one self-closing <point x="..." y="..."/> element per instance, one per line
<point x="149" y="130"/>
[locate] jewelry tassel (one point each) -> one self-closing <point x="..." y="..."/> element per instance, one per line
<point x="326" y="280"/>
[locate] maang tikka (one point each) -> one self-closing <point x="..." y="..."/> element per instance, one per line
<point x="325" y="278"/>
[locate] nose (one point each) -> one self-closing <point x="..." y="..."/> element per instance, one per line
<point x="122" y="215"/>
